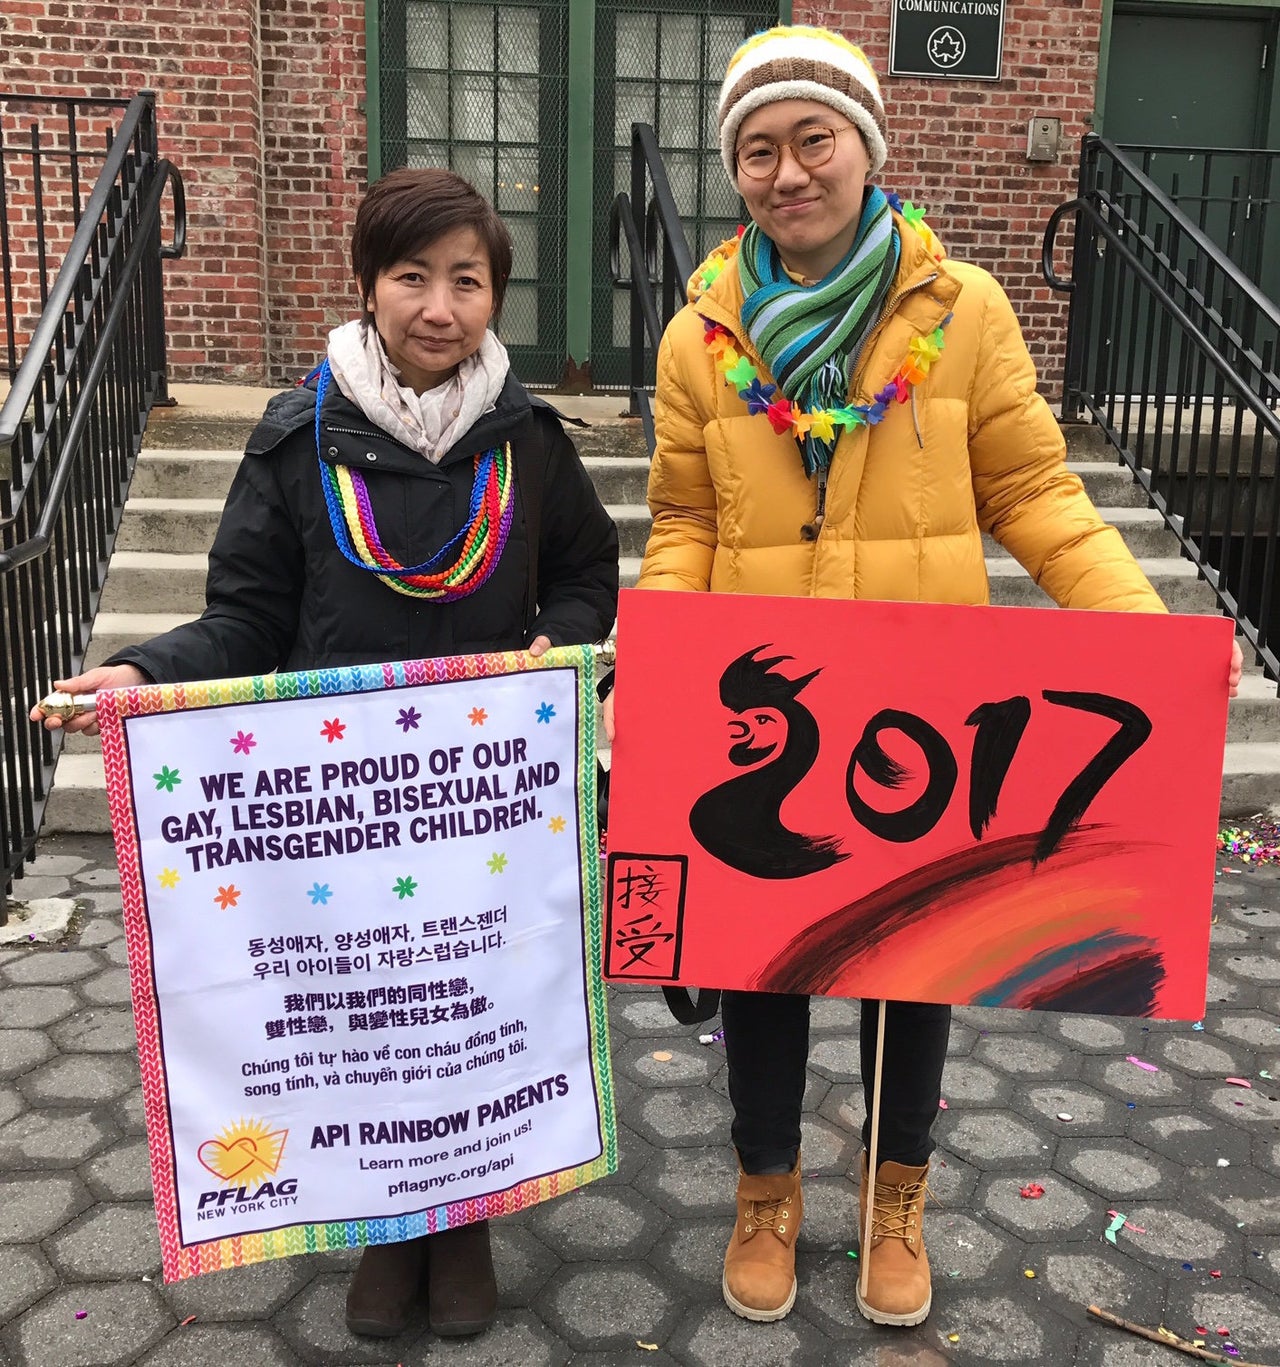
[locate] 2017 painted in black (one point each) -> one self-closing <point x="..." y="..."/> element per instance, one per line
<point x="739" y="822"/>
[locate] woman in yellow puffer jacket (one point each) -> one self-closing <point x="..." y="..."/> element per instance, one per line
<point x="842" y="413"/>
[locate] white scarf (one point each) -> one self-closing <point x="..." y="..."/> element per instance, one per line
<point x="428" y="423"/>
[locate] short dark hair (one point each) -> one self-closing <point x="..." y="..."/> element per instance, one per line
<point x="411" y="208"/>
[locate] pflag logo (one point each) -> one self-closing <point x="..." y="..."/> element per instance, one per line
<point x="246" y="1159"/>
<point x="247" y="1153"/>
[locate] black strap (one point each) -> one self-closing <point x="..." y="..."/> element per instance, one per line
<point x="690" y="1010"/>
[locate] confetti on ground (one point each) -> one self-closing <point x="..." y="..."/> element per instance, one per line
<point x="1264" y="1073"/>
<point x="1224" y="1162"/>
<point x="190" y="1319"/>
<point x="853" y="1252"/>
<point x="84" y="1314"/>
<point x="653" y="1347"/>
<point x="1199" y="1025"/>
<point x="942" y="1106"/>
<point x="1026" y="1271"/>
<point x="1065" y="1115"/>
<point x="951" y="1338"/>
<point x="1215" y="1274"/>
<point x="1138" y="1063"/>
<point x="1256" y="843"/>
<point x="664" y="1056"/>
<point x="1109" y="1234"/>
<point x="1188" y="1267"/>
<point x="1033" y="1191"/>
<point x="1234" y="1081"/>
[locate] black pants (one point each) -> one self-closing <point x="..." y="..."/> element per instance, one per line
<point x="766" y="1038"/>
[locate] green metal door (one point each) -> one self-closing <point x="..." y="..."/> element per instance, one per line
<point x="661" y="62"/>
<point x="1192" y="80"/>
<point x="1196" y="80"/>
<point x="483" y="88"/>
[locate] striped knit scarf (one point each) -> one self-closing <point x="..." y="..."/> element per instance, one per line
<point x="809" y="335"/>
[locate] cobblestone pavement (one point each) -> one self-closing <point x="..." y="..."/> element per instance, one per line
<point x="1192" y="1160"/>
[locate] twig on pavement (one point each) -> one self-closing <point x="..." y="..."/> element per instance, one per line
<point x="1169" y="1339"/>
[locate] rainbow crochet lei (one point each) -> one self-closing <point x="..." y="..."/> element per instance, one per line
<point x="787" y="417"/>
<point x="478" y="544"/>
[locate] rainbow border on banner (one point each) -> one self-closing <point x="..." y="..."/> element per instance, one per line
<point x="189" y="1260"/>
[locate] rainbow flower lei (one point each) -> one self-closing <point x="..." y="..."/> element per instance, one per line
<point x="787" y="417"/>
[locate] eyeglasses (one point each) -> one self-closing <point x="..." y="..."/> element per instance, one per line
<point x="812" y="148"/>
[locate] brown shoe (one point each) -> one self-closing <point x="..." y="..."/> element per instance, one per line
<point x="462" y="1296"/>
<point x="898" y="1288"/>
<point x="760" y="1263"/>
<point x="386" y="1286"/>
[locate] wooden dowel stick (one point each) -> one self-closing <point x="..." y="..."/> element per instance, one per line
<point x="865" y="1258"/>
<point x="1179" y="1343"/>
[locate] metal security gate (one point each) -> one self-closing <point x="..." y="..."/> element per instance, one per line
<point x="661" y="62"/>
<point x="483" y="89"/>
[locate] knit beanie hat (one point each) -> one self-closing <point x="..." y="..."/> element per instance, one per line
<point x="798" y="62"/>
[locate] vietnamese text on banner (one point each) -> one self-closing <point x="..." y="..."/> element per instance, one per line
<point x="363" y="916"/>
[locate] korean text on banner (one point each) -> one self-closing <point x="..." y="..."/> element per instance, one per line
<point x="363" y="917"/>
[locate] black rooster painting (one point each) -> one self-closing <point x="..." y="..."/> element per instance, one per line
<point x="775" y="738"/>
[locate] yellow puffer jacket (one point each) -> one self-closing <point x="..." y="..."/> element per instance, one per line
<point x="976" y="449"/>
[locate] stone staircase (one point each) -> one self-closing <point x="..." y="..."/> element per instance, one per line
<point x="156" y="578"/>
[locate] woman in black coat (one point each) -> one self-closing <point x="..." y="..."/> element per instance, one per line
<point x="410" y="500"/>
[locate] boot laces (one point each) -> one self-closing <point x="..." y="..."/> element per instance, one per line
<point x="768" y="1214"/>
<point x="897" y="1210"/>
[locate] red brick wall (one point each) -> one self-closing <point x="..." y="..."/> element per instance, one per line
<point x="260" y="107"/>
<point x="959" y="147"/>
<point x="241" y="84"/>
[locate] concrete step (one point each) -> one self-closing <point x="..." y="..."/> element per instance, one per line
<point x="153" y="523"/>
<point x="163" y="582"/>
<point x="149" y="523"/>
<point x="206" y="474"/>
<point x="112" y="631"/>
<point x="174" y="473"/>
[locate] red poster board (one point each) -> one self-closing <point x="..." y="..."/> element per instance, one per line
<point x="990" y="806"/>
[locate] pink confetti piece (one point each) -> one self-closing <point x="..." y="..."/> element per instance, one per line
<point x="1033" y="1191"/>
<point x="82" y="1314"/>
<point x="1138" y="1063"/>
<point x="1215" y="1274"/>
<point x="1240" y="1082"/>
<point x="942" y="1106"/>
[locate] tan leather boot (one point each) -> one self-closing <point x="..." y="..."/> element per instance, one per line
<point x="898" y="1287"/>
<point x="760" y="1262"/>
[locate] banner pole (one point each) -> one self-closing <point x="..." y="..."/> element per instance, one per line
<point x="864" y="1260"/>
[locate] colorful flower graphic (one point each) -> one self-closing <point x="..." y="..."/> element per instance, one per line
<point x="408" y="719"/>
<point x="497" y="863"/>
<point x="556" y="825"/>
<point x="546" y="712"/>
<point x="227" y="897"/>
<point x="320" y="894"/>
<point x="477" y="716"/>
<point x="169" y="878"/>
<point x="167" y="779"/>
<point x="242" y="742"/>
<point x="404" y="887"/>
<point x="332" y="730"/>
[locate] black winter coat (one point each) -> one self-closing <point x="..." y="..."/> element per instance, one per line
<point x="280" y="595"/>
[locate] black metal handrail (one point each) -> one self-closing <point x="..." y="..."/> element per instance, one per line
<point x="660" y="263"/>
<point x="71" y="425"/>
<point x="1228" y="192"/>
<point x="1172" y="350"/>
